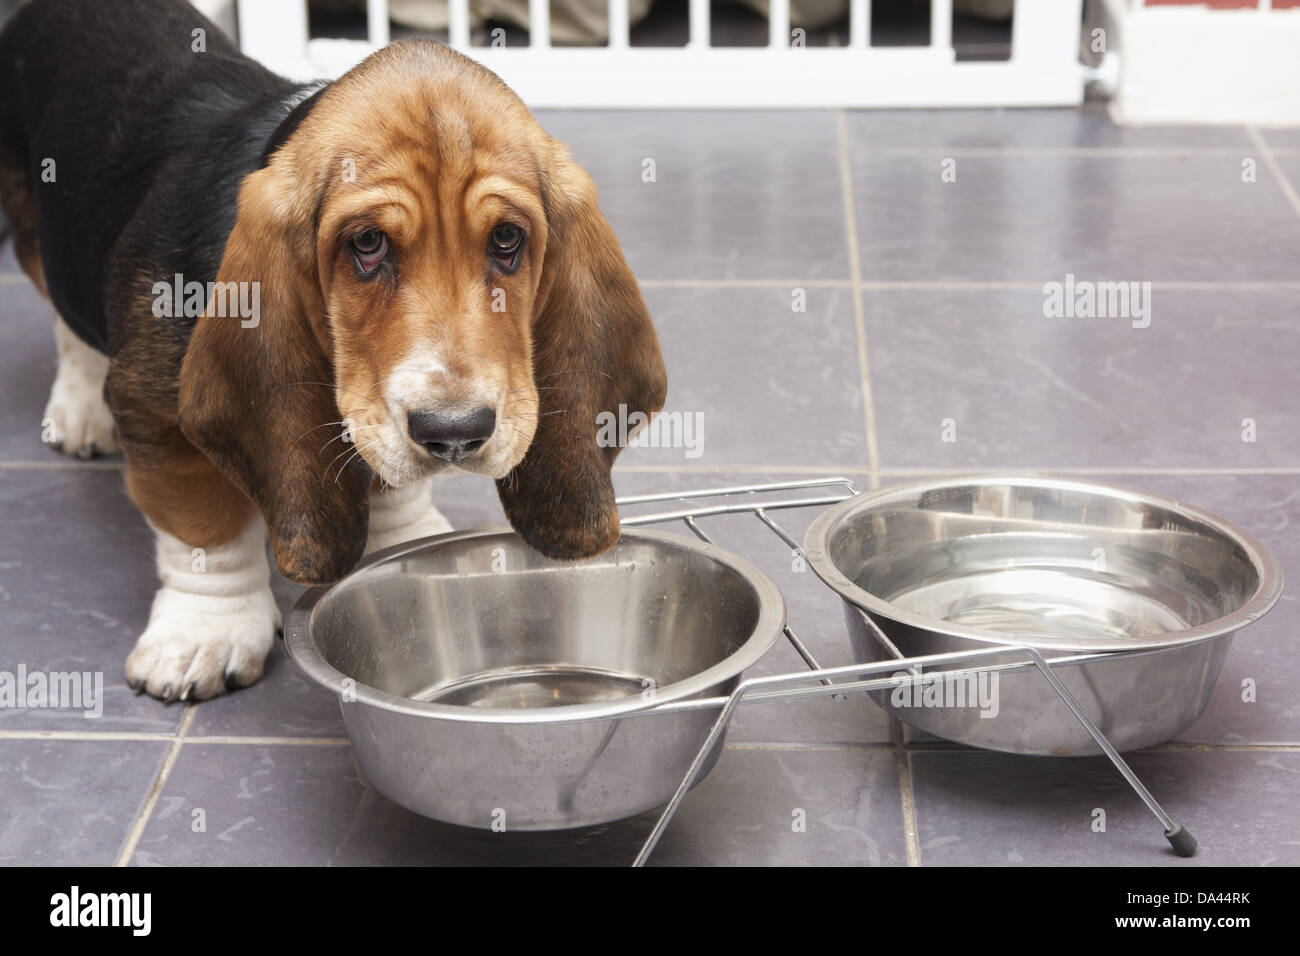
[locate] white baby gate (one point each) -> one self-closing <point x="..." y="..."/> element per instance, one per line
<point x="1043" y="69"/>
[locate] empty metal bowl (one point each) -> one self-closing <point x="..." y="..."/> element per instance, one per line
<point x="1145" y="592"/>
<point x="485" y="685"/>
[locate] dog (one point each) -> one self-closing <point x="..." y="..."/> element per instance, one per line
<point x="292" y="306"/>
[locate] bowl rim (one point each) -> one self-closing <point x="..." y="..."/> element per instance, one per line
<point x="1267" y="591"/>
<point x="767" y="628"/>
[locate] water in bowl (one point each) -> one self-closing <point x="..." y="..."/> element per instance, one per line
<point x="531" y="687"/>
<point x="1061" y="585"/>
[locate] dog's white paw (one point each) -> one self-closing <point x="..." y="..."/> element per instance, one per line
<point x="77" y="420"/>
<point x="199" y="645"/>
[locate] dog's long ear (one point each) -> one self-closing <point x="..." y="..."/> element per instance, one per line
<point x="594" y="351"/>
<point x="256" y="391"/>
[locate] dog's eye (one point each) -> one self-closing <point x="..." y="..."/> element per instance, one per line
<point x="505" y="242"/>
<point x="370" y="248"/>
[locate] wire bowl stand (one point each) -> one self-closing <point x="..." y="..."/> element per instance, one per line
<point x="836" y="682"/>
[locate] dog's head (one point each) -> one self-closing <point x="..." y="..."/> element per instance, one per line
<point x="437" y="291"/>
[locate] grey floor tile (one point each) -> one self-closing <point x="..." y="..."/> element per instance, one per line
<point x="1284" y="137"/>
<point x="743" y="814"/>
<point x="1023" y="390"/>
<point x="73" y="802"/>
<point x="76" y="583"/>
<point x="303" y="805"/>
<point x="736" y="194"/>
<point x="1290" y="165"/>
<point x="1035" y="219"/>
<point x="469" y="501"/>
<point x="284" y="703"/>
<point x="27" y="365"/>
<point x="854" y="719"/>
<point x="768" y="386"/>
<point x="984" y="809"/>
<point x="1084" y="128"/>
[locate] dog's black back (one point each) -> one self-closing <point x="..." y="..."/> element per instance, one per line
<point x="150" y="139"/>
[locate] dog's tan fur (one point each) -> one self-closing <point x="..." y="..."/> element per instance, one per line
<point x="452" y="153"/>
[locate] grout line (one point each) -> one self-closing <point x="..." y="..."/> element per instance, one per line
<point x="906" y="793"/>
<point x="951" y="746"/>
<point x="1011" y="285"/>
<point x="742" y="469"/>
<point x="859" y="319"/>
<point x="896" y="733"/>
<point x="1046" y="152"/>
<point x="844" y="747"/>
<point x="1278" y="173"/>
<point x="1116" y="470"/>
<point x="80" y="735"/>
<point x="1175" y="746"/>
<point x="745" y="283"/>
<point x="273" y="741"/>
<point x="850" y="470"/>
<point x="908" y="798"/>
<point x="961" y="285"/>
<point x="137" y="831"/>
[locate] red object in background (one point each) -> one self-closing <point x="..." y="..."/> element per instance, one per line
<point x="1225" y="4"/>
<point x="1215" y="4"/>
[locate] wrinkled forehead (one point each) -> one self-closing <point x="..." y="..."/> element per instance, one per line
<point x="416" y="148"/>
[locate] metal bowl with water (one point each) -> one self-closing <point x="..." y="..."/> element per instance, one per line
<point x="1145" y="593"/>
<point x="485" y="685"/>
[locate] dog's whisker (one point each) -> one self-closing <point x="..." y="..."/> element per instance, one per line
<point x="344" y="421"/>
<point x="542" y="388"/>
<point x="352" y="430"/>
<point x="536" y="415"/>
<point x="569" y="371"/>
<point x="354" y="455"/>
<point x="340" y="455"/>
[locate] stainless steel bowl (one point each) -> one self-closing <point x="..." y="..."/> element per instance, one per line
<point x="1149" y="590"/>
<point x="485" y="685"/>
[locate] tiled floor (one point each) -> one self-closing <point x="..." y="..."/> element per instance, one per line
<point x="924" y="302"/>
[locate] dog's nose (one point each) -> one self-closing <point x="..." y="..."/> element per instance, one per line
<point x="451" y="437"/>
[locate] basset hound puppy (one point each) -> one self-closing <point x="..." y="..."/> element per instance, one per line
<point x="293" y="306"/>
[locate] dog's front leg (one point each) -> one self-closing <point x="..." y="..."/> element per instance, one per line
<point x="403" y="514"/>
<point x="214" y="619"/>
